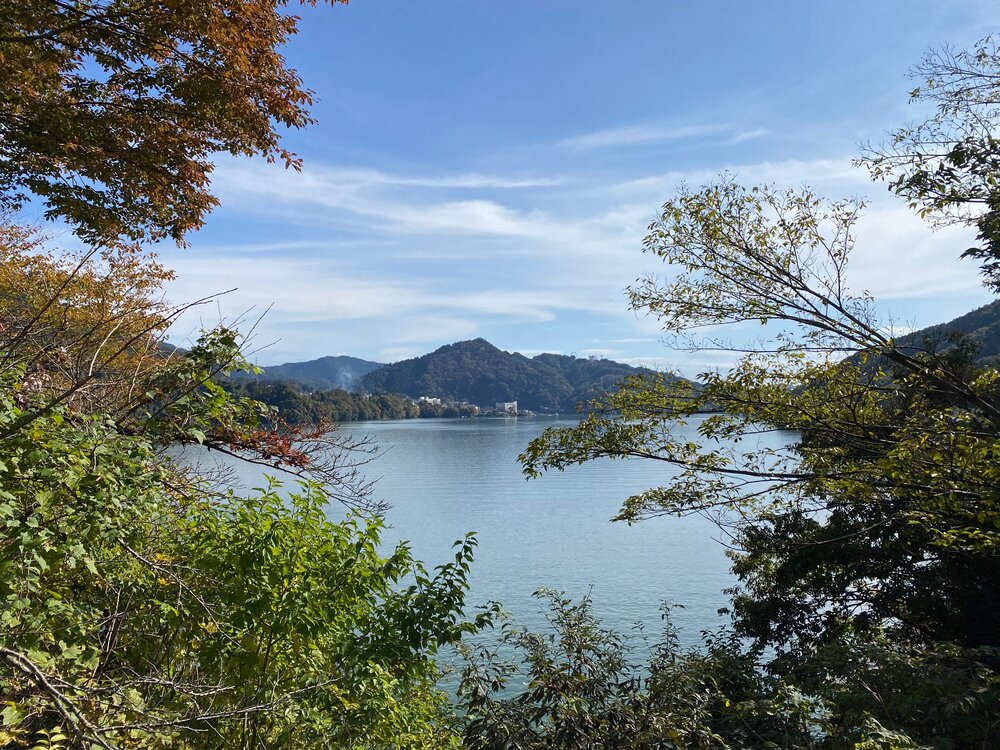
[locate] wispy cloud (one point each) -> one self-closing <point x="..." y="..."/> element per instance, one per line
<point x="470" y="181"/>
<point x="897" y="257"/>
<point x="381" y="264"/>
<point x="725" y="134"/>
<point x="639" y="135"/>
<point x="379" y="201"/>
<point x="583" y="219"/>
<point x="747" y="135"/>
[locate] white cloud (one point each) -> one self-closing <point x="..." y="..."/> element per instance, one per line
<point x="435" y="328"/>
<point x="833" y="177"/>
<point x="342" y="300"/>
<point x="303" y="290"/>
<point x="747" y="135"/>
<point x="399" y="353"/>
<point x="384" y="263"/>
<point x="898" y="257"/>
<point x="639" y="135"/>
<point x="377" y="204"/>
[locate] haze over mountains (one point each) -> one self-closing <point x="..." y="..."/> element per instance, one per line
<point x="325" y="373"/>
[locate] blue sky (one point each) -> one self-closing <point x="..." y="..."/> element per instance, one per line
<point x="487" y="168"/>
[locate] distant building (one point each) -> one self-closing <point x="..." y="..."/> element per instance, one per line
<point x="507" y="407"/>
<point x="429" y="400"/>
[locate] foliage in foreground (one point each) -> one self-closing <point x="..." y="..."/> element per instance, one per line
<point x="584" y="688"/>
<point x="867" y="551"/>
<point x="580" y="686"/>
<point x="143" y="607"/>
<point x="140" y="605"/>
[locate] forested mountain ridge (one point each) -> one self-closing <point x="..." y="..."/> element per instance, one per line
<point x="478" y="372"/>
<point x="980" y="327"/>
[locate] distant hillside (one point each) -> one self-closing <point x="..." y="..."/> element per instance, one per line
<point x="325" y="373"/>
<point x="982" y="326"/>
<point x="479" y="373"/>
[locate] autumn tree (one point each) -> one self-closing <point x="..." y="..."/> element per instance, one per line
<point x="113" y="110"/>
<point x="143" y="604"/>
<point x="146" y="605"/>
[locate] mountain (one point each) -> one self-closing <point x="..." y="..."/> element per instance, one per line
<point x="981" y="326"/>
<point x="480" y="373"/>
<point x="325" y="373"/>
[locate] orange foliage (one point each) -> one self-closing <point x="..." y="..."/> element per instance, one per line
<point x="113" y="109"/>
<point x="84" y="327"/>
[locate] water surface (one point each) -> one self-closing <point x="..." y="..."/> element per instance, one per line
<point x="446" y="477"/>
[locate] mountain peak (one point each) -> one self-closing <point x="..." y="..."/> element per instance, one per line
<point x="479" y="342"/>
<point x="478" y="372"/>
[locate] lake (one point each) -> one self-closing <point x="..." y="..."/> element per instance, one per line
<point x="445" y="477"/>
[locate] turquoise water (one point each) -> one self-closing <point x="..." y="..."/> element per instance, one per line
<point x="446" y="477"/>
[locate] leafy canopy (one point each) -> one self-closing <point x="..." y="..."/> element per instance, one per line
<point x="866" y="550"/>
<point x="946" y="165"/>
<point x="113" y="110"/>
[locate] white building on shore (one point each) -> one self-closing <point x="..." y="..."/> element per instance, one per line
<point x="507" y="407"/>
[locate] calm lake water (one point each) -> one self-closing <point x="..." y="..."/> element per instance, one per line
<point x="446" y="477"/>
